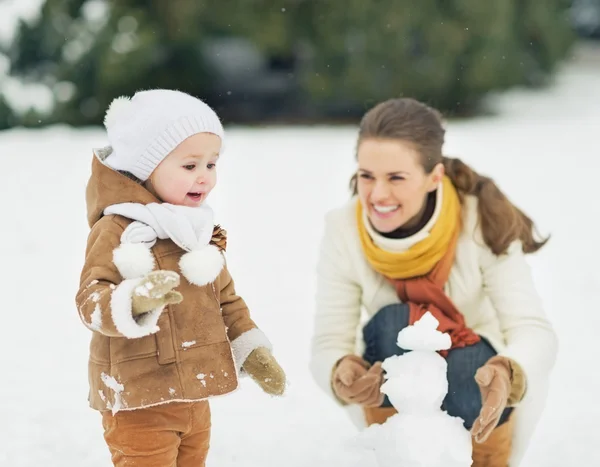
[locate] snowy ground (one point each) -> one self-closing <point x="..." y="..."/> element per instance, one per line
<point x="275" y="187"/>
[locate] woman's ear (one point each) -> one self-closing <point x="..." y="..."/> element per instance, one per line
<point x="436" y="176"/>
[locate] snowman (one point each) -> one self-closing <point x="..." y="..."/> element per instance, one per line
<point x="420" y="434"/>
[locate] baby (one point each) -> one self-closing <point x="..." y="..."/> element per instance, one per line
<point x="162" y="343"/>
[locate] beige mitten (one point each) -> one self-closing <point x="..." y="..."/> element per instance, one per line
<point x="502" y="384"/>
<point x="155" y="290"/>
<point x="354" y="381"/>
<point x="264" y="369"/>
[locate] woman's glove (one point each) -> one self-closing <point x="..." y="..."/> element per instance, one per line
<point x="502" y="384"/>
<point x="354" y="381"/>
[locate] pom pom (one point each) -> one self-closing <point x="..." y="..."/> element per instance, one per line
<point x="133" y="260"/>
<point x="202" y="267"/>
<point x="117" y="108"/>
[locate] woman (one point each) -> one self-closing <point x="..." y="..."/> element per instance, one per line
<point x="425" y="232"/>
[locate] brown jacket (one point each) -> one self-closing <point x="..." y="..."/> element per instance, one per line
<point x="200" y="344"/>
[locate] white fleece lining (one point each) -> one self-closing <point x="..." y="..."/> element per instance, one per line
<point x="156" y="404"/>
<point x="121" y="312"/>
<point x="245" y="343"/>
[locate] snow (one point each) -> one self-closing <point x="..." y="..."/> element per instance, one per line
<point x="96" y="318"/>
<point x="185" y="345"/>
<point x="25" y="96"/>
<point x="117" y="388"/>
<point x="420" y="434"/>
<point x="423" y="335"/>
<point x="11" y="11"/>
<point x="144" y="289"/>
<point x="202" y="378"/>
<point x="417" y="380"/>
<point x="275" y="185"/>
<point x="20" y="96"/>
<point x="417" y="440"/>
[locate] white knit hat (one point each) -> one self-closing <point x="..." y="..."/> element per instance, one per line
<point x="143" y="130"/>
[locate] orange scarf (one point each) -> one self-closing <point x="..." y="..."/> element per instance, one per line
<point x="426" y="293"/>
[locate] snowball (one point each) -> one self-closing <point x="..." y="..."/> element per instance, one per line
<point x="416" y="381"/>
<point x="423" y="335"/>
<point x="422" y="440"/>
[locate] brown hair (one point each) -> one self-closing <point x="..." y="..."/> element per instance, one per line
<point x="412" y="121"/>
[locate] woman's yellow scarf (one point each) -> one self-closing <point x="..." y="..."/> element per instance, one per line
<point x="419" y="259"/>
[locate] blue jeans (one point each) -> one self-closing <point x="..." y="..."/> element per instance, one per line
<point x="464" y="398"/>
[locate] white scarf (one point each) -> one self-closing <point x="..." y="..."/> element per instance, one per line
<point x="189" y="228"/>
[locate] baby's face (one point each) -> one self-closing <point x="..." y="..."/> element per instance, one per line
<point x="188" y="174"/>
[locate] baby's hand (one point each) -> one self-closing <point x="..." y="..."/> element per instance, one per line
<point x="154" y="291"/>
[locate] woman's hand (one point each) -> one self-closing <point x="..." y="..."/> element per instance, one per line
<point x="502" y="383"/>
<point x="354" y="381"/>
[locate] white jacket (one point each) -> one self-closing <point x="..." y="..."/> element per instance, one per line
<point x="496" y="295"/>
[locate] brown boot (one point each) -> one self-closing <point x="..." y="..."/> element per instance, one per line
<point x="496" y="450"/>
<point x="378" y="414"/>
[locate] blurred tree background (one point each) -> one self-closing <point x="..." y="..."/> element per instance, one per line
<point x="284" y="60"/>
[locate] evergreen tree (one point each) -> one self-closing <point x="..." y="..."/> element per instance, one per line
<point x="343" y="56"/>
